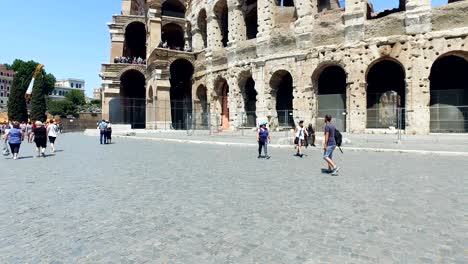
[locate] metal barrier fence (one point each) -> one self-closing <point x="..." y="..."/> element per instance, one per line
<point x="188" y="115"/>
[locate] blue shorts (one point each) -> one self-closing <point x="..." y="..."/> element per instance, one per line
<point x="328" y="153"/>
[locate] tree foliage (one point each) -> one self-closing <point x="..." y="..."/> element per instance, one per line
<point x="76" y="97"/>
<point x="62" y="108"/>
<point x="17" y="109"/>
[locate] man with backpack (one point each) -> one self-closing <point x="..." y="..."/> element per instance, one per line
<point x="330" y="144"/>
<point x="103" y="129"/>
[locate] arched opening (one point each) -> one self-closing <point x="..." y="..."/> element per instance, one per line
<point x="202" y="25"/>
<point x="251" y="18"/>
<point x="284" y="2"/>
<point x="173" y="35"/>
<point x="331" y="95"/>
<point x="449" y="94"/>
<point x="202" y="107"/>
<point x="135" y="41"/>
<point x="132" y="96"/>
<point x="173" y="8"/>
<point x="181" y="94"/>
<point x="385" y="95"/>
<point x="282" y="91"/>
<point x="379" y="9"/>
<point x="323" y="5"/>
<point x="222" y="99"/>
<point x="221" y="13"/>
<point x="247" y="87"/>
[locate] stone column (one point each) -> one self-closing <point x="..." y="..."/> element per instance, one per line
<point x="306" y="9"/>
<point x="197" y="40"/>
<point x="163" y="105"/>
<point x="154" y="31"/>
<point x="418" y="16"/>
<point x="418" y="94"/>
<point x="117" y="45"/>
<point x="265" y="13"/>
<point x="215" y="37"/>
<point x="258" y="75"/>
<point x="126" y="7"/>
<point x="354" y="18"/>
<point x="237" y="29"/>
<point x="356" y="97"/>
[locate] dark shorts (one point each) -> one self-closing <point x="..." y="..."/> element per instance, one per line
<point x="41" y="143"/>
<point x="52" y="140"/>
<point x="15" y="148"/>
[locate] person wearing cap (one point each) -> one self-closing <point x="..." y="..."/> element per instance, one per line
<point x="40" y="138"/>
<point x="263" y="138"/>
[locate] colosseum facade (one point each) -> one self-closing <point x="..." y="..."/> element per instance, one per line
<point x="227" y="64"/>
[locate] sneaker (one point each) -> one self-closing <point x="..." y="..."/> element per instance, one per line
<point x="267" y="157"/>
<point x="335" y="171"/>
<point x="43" y="155"/>
<point x="313" y="145"/>
<point x="259" y="157"/>
<point x="301" y="155"/>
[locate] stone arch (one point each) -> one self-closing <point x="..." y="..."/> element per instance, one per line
<point x="173" y="8"/>
<point x="386" y="93"/>
<point x="181" y="79"/>
<point x="220" y="11"/>
<point x="284" y="3"/>
<point x="139" y="68"/>
<point x="329" y="82"/>
<point x="282" y="94"/>
<point x="132" y="99"/>
<point x="202" y="26"/>
<point x="249" y="94"/>
<point x="250" y="12"/>
<point x="135" y="40"/>
<point x="173" y="34"/>
<point x="221" y="100"/>
<point x="449" y="93"/>
<point x="202" y="106"/>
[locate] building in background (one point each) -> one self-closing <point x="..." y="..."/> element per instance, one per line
<point x="6" y="81"/>
<point x="97" y="94"/>
<point x="63" y="87"/>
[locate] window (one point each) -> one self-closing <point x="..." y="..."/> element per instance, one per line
<point x="8" y="95"/>
<point x="1" y="102"/>
<point x="71" y="85"/>
<point x="1" y="73"/>
<point x="1" y="87"/>
<point x="55" y="92"/>
<point x="8" y="88"/>
<point x="1" y="94"/>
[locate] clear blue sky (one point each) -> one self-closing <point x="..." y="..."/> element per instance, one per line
<point x="70" y="37"/>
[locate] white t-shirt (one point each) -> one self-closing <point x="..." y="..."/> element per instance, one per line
<point x="52" y="128"/>
<point x="300" y="133"/>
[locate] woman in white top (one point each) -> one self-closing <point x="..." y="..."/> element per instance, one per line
<point x="52" y="133"/>
<point x="300" y="134"/>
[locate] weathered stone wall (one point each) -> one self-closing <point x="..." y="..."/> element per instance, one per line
<point x="303" y="40"/>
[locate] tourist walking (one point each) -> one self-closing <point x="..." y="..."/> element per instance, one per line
<point x="102" y="130"/>
<point x="40" y="138"/>
<point x="14" y="137"/>
<point x="311" y="136"/>
<point x="29" y="129"/>
<point x="52" y="130"/>
<point x="263" y="139"/>
<point x="329" y="145"/>
<point x="300" y="134"/>
<point x="109" y="132"/>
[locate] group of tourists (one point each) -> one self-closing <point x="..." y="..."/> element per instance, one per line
<point x="14" y="133"/>
<point x="165" y="45"/>
<point x="130" y="60"/>
<point x="304" y="137"/>
<point x="105" y="132"/>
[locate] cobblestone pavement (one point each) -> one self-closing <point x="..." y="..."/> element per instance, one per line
<point x="140" y="201"/>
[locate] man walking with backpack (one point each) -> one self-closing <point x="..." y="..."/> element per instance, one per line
<point x="329" y="145"/>
<point x="103" y="129"/>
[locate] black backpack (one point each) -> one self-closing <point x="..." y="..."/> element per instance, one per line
<point x="338" y="138"/>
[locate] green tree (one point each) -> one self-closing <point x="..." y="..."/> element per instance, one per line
<point x="62" y="108"/>
<point x="76" y="97"/>
<point x="17" y="109"/>
<point x="38" y="100"/>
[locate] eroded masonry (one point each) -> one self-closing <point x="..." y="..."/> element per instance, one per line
<point x="227" y="64"/>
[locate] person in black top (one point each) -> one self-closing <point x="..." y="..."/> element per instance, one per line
<point x="40" y="138"/>
<point x="311" y="135"/>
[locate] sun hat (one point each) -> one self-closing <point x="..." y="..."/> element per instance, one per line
<point x="263" y="123"/>
<point x="38" y="123"/>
